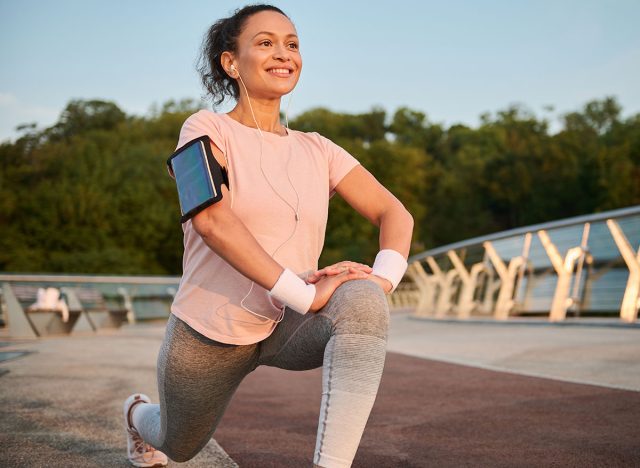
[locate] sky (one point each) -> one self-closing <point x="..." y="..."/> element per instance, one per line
<point x="453" y="60"/>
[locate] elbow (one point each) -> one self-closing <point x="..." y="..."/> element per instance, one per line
<point x="397" y="215"/>
<point x="409" y="218"/>
<point x="205" y="223"/>
<point x="203" y="226"/>
<point x="403" y="216"/>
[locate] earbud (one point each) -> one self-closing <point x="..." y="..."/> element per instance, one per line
<point x="233" y="69"/>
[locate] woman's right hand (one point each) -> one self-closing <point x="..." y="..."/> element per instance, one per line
<point x="326" y="286"/>
<point x="314" y="276"/>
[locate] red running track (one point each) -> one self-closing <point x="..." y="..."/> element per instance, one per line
<point x="434" y="414"/>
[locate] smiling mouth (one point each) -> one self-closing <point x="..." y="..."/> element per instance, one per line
<point x="280" y="71"/>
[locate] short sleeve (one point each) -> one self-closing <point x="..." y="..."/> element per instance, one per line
<point x="201" y="123"/>
<point x="340" y="164"/>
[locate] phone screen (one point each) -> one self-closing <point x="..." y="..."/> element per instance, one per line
<point x="193" y="178"/>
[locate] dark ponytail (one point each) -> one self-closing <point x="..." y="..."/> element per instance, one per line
<point x="223" y="36"/>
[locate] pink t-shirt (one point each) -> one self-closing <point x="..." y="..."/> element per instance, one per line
<point x="210" y="293"/>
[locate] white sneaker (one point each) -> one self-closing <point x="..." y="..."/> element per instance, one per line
<point x="139" y="452"/>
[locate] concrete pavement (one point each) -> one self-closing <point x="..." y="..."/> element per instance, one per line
<point x="61" y="402"/>
<point x="591" y="353"/>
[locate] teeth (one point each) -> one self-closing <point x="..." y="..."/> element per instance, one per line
<point x="279" y="70"/>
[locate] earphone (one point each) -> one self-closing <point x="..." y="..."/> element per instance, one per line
<point x="295" y="209"/>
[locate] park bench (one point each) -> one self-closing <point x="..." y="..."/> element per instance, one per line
<point x="154" y="306"/>
<point x="100" y="313"/>
<point x="26" y="321"/>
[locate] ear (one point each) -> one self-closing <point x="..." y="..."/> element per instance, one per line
<point x="226" y="60"/>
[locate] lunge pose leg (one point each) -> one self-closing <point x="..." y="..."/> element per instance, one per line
<point x="348" y="338"/>
<point x="198" y="376"/>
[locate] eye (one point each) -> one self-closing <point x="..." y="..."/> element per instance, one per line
<point x="265" y="43"/>
<point x="293" y="45"/>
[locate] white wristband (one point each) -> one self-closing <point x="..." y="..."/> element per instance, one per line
<point x="391" y="266"/>
<point x="293" y="292"/>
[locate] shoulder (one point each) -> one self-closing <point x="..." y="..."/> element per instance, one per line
<point x="322" y="143"/>
<point x="314" y="139"/>
<point x="203" y="122"/>
<point x="203" y="116"/>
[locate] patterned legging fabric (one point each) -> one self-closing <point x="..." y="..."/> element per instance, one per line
<point x="197" y="376"/>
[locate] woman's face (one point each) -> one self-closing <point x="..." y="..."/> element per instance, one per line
<point x="268" y="57"/>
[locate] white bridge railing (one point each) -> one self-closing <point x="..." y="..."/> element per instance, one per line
<point x="581" y="266"/>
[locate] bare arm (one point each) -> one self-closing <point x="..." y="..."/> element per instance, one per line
<point x="226" y="235"/>
<point x="367" y="196"/>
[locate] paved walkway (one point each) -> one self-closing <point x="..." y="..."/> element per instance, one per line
<point x="61" y="401"/>
<point x="587" y="353"/>
<point x="61" y="404"/>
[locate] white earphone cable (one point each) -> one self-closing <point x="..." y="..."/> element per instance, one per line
<point x="295" y="210"/>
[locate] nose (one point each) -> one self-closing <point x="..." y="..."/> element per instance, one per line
<point x="280" y="52"/>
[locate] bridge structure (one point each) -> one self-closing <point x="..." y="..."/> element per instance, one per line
<point x="585" y="266"/>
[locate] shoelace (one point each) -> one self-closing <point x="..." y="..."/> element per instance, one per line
<point x="139" y="445"/>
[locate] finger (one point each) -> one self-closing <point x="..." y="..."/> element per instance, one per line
<point x="332" y="270"/>
<point x="312" y="280"/>
<point x="360" y="266"/>
<point x="385" y="284"/>
<point x="360" y="271"/>
<point x="350" y="274"/>
<point x="343" y="266"/>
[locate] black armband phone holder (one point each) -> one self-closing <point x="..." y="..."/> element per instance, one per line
<point x="199" y="177"/>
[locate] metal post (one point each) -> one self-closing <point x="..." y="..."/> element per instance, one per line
<point x="492" y="286"/>
<point x="128" y="305"/>
<point x="509" y="276"/>
<point x="445" y="281"/>
<point x="631" y="299"/>
<point x="427" y="289"/>
<point x="469" y="280"/>
<point x="564" y="270"/>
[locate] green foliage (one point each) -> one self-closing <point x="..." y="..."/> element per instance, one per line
<point x="91" y="195"/>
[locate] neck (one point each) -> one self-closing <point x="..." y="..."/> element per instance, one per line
<point x="266" y="111"/>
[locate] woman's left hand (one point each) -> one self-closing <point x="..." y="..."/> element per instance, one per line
<point x="385" y="284"/>
<point x="340" y="267"/>
<point x="336" y="269"/>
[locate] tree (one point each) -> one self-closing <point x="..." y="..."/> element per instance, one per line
<point x="91" y="193"/>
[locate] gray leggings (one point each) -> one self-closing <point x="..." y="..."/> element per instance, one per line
<point x="197" y="376"/>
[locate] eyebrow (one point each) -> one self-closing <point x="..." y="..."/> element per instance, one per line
<point x="272" y="34"/>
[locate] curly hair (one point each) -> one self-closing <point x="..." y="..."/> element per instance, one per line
<point x="223" y="36"/>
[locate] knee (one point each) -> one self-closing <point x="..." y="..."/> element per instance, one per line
<point x="177" y="457"/>
<point x="179" y="454"/>
<point x="183" y="449"/>
<point x="360" y="307"/>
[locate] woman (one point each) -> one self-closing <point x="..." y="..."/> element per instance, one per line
<point x="240" y="304"/>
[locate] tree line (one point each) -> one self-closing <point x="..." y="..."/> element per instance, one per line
<point x="91" y="193"/>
